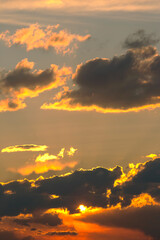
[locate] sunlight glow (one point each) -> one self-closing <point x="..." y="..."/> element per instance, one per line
<point x="82" y="208"/>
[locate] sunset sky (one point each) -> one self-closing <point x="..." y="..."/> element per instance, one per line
<point x="79" y="114"/>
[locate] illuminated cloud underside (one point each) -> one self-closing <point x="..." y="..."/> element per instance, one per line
<point x="35" y="37"/>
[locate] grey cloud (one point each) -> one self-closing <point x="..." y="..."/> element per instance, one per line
<point x="86" y="187"/>
<point x="44" y="219"/>
<point x="24" y="78"/>
<point x="146" y="180"/>
<point x="10" y="235"/>
<point x="24" y="81"/>
<point x="62" y="233"/>
<point x="139" y="39"/>
<point x="121" y="83"/>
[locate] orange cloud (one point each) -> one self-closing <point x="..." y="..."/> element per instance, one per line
<point x="42" y="167"/>
<point x="44" y="163"/>
<point x="25" y="148"/>
<point x="34" y="37"/>
<point x="24" y="81"/>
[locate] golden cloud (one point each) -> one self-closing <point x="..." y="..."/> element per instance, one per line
<point x="25" y="82"/>
<point x="25" y="148"/>
<point x="34" y="37"/>
<point x="42" y="167"/>
<point x="44" y="163"/>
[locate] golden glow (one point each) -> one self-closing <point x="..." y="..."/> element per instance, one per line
<point x="127" y="177"/>
<point x="143" y="200"/>
<point x="152" y="155"/>
<point x="72" y="151"/>
<point x="64" y="104"/>
<point x="61" y="153"/>
<point x="45" y="157"/>
<point x="25" y="148"/>
<point x="82" y="208"/>
<point x="42" y="167"/>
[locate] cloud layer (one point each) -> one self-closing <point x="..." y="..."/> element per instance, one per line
<point x="70" y="5"/>
<point x="111" y="198"/>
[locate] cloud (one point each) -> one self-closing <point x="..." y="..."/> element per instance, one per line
<point x="92" y="188"/>
<point x="72" y="151"/>
<point x="111" y="198"/>
<point x="35" y="37"/>
<point x="38" y="218"/>
<point x="129" y="82"/>
<point x="23" y="82"/>
<point x="8" y="235"/>
<point x="146" y="179"/>
<point x="144" y="219"/>
<point x="86" y="187"/>
<point x="46" y="162"/>
<point x="75" y="6"/>
<point x="140" y="39"/>
<point x="64" y="233"/>
<point x="25" y="148"/>
<point x="43" y="167"/>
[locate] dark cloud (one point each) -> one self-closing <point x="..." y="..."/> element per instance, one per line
<point x="62" y="233"/>
<point x="81" y="187"/>
<point x="147" y="180"/>
<point x="140" y="39"/>
<point x="10" y="235"/>
<point x="24" y="78"/>
<point x="24" y="81"/>
<point x="145" y="219"/>
<point x="44" y="219"/>
<point x="86" y="187"/>
<point x="125" y="82"/>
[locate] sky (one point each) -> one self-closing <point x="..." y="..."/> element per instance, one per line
<point x="79" y="119"/>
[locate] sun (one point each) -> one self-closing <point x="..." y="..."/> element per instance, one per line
<point x="82" y="208"/>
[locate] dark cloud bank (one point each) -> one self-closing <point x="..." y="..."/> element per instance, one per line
<point x="87" y="187"/>
<point x="128" y="81"/>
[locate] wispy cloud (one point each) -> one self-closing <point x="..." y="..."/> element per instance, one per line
<point x="35" y="37"/>
<point x="44" y="163"/>
<point x="86" y="6"/>
<point x="25" y="148"/>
